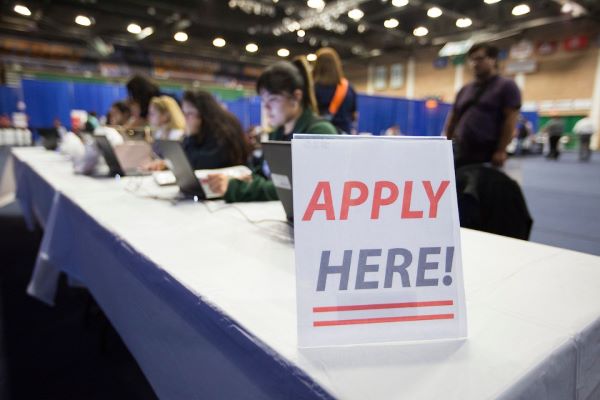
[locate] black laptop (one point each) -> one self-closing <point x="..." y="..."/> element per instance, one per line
<point x="279" y="159"/>
<point x="50" y="137"/>
<point x="175" y="157"/>
<point x="112" y="161"/>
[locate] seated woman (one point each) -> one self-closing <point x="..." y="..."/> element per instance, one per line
<point x="165" y="118"/>
<point x="287" y="94"/>
<point x="214" y="137"/>
<point x="140" y="91"/>
<point x="118" y="114"/>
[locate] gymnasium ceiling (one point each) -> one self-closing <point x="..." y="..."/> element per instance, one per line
<point x="274" y="24"/>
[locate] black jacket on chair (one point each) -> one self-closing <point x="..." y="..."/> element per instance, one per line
<point x="490" y="201"/>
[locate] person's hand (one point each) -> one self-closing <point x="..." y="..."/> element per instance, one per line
<point x="245" y="178"/>
<point x="498" y="158"/>
<point x="155" y="165"/>
<point x="218" y="183"/>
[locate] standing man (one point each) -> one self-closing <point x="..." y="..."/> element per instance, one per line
<point x="554" y="129"/>
<point x="485" y="112"/>
<point x="584" y="128"/>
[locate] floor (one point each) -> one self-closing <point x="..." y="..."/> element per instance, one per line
<point x="563" y="198"/>
<point x="70" y="351"/>
<point x="65" y="352"/>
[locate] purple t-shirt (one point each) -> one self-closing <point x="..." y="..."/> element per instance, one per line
<point x="481" y="123"/>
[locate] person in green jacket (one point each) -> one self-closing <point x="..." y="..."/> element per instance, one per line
<point x="287" y="94"/>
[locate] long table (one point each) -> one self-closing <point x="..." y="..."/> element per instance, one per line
<point x="203" y="295"/>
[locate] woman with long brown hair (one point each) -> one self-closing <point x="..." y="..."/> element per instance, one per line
<point x="336" y="98"/>
<point x="214" y="137"/>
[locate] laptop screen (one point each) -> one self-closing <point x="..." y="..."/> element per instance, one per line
<point x="180" y="166"/>
<point x="279" y="157"/>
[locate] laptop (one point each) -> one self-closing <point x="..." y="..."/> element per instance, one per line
<point x="177" y="161"/>
<point x="278" y="155"/>
<point x="50" y="137"/>
<point x="112" y="161"/>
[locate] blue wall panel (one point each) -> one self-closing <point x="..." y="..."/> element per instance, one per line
<point x="8" y="100"/>
<point x="377" y="113"/>
<point x="534" y="118"/>
<point x="246" y="109"/>
<point x="46" y="101"/>
<point x="96" y="97"/>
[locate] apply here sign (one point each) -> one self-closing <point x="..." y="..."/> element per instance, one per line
<point x="377" y="240"/>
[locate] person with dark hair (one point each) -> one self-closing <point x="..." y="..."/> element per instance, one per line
<point x="140" y="90"/>
<point x="214" y="137"/>
<point x="555" y="128"/>
<point x="584" y="129"/>
<point x="485" y="112"/>
<point x="336" y="97"/>
<point x="287" y="95"/>
<point x="286" y="92"/>
<point x="118" y="114"/>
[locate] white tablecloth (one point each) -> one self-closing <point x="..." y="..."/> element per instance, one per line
<point x="205" y="300"/>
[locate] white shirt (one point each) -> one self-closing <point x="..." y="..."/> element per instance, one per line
<point x="173" y="134"/>
<point x="584" y="126"/>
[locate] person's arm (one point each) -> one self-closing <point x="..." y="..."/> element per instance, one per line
<point x="235" y="190"/>
<point x="451" y="119"/>
<point x="511" y="117"/>
<point x="450" y="125"/>
<point x="323" y="128"/>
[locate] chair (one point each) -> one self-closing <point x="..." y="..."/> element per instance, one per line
<point x="490" y="201"/>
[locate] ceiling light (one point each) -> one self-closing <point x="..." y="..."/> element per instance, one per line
<point x="219" y="42"/>
<point x="251" y="47"/>
<point x="361" y="28"/>
<point x="318" y="4"/>
<point x="399" y="3"/>
<point x="283" y="52"/>
<point x="421" y="31"/>
<point x="521" y="9"/>
<point x="464" y="22"/>
<point x="293" y="26"/>
<point x="434" y="12"/>
<point x="180" y="36"/>
<point x="491" y="1"/>
<point x="147" y="31"/>
<point x="83" y="20"/>
<point x="20" y="9"/>
<point x="134" y="28"/>
<point x="391" y="23"/>
<point x="311" y="57"/>
<point x="356" y="14"/>
<point x="300" y="33"/>
<point x="567" y="8"/>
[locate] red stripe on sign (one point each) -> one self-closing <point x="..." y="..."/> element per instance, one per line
<point x="384" y="306"/>
<point x="383" y="320"/>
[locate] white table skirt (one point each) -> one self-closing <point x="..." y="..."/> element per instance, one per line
<point x="205" y="301"/>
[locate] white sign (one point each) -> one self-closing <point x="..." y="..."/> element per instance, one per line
<point x="521" y="50"/>
<point x="521" y="67"/>
<point x="455" y="48"/>
<point x="377" y="240"/>
<point x="396" y="76"/>
<point x="380" y="80"/>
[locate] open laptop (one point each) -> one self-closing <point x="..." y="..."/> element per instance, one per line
<point x="279" y="158"/>
<point x="175" y="157"/>
<point x="50" y="137"/>
<point x="112" y="161"/>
